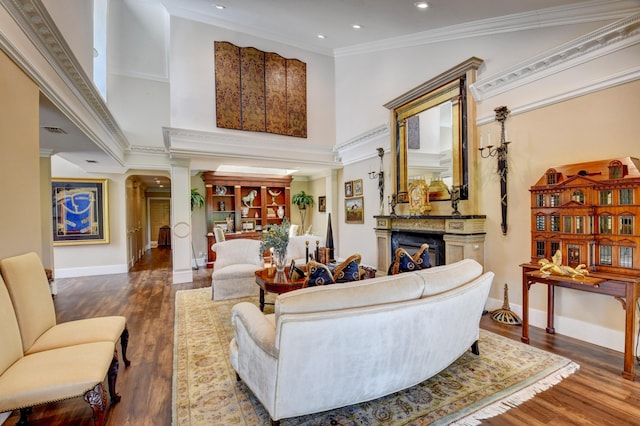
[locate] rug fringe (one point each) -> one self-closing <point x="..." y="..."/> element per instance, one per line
<point x="517" y="398"/>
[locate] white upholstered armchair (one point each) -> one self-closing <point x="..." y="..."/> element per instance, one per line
<point x="234" y="269"/>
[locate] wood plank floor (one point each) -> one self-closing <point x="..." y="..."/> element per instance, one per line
<point x="595" y="395"/>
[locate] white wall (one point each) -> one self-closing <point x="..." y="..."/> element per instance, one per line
<point x="193" y="73"/>
<point x="95" y="259"/>
<point x="591" y="127"/>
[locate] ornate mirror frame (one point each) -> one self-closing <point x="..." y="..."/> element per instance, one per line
<point x="452" y="85"/>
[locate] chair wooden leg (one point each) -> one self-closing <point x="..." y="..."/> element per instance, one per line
<point x="112" y="376"/>
<point x="238" y="379"/>
<point x="475" y="349"/>
<point x="124" y="342"/>
<point x="24" y="412"/>
<point x="96" y="399"/>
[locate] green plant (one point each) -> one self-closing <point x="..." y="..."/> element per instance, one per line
<point x="197" y="199"/>
<point x="302" y="200"/>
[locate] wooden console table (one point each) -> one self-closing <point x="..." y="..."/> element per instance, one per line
<point x="625" y="289"/>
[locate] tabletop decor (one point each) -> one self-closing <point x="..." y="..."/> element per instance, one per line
<point x="276" y="239"/>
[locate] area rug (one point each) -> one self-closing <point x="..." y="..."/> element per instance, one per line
<point x="205" y="390"/>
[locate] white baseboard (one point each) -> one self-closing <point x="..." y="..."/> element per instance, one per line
<point x="180" y="277"/>
<point x="91" y="270"/>
<point x="588" y="332"/>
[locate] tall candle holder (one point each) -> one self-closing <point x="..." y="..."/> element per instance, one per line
<point x="502" y="152"/>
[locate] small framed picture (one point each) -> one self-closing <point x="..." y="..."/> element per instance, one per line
<point x="348" y="189"/>
<point x="354" y="210"/>
<point x="322" y="203"/>
<point x="249" y="225"/>
<point x="357" y="187"/>
<point x="222" y="224"/>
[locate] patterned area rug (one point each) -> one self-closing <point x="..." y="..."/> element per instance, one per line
<point x="205" y="390"/>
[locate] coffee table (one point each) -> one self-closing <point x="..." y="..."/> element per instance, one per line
<point x="275" y="284"/>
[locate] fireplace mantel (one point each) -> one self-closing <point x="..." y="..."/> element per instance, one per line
<point x="463" y="236"/>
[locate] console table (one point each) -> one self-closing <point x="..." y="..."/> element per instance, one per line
<point x="625" y="289"/>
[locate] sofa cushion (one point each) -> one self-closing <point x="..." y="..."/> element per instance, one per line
<point x="403" y="263"/>
<point x="319" y="274"/>
<point x="238" y="251"/>
<point x="349" y="270"/>
<point x="446" y="277"/>
<point x="375" y="291"/>
<point x="422" y="257"/>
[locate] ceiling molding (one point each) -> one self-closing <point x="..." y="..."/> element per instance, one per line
<point x="576" y="13"/>
<point x="601" y="42"/>
<point x="38" y="26"/>
<point x="364" y="146"/>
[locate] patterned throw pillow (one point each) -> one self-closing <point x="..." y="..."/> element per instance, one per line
<point x="349" y="270"/>
<point x="422" y="258"/>
<point x="403" y="263"/>
<point x="318" y="274"/>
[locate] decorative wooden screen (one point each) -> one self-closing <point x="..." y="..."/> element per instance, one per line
<point x="260" y="91"/>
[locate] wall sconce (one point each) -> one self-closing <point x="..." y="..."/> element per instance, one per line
<point x="380" y="176"/>
<point x="501" y="151"/>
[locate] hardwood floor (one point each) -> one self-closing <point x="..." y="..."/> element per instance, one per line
<point x="595" y="395"/>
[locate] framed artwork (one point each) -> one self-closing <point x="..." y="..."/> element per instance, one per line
<point x="348" y="189"/>
<point x="249" y="225"/>
<point x="357" y="187"/>
<point x="80" y="210"/>
<point x="322" y="203"/>
<point x="354" y="210"/>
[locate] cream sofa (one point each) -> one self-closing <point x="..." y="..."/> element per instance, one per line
<point x="332" y="346"/>
<point x="234" y="269"/>
<point x="297" y="248"/>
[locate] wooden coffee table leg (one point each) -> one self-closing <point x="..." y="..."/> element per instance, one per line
<point x="261" y="299"/>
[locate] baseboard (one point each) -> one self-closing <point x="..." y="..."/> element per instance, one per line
<point x="87" y="271"/>
<point x="587" y="332"/>
<point x="180" y="277"/>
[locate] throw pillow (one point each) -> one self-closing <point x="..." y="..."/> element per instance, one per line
<point x="403" y="263"/>
<point x="318" y="274"/>
<point x="422" y="258"/>
<point x="349" y="270"/>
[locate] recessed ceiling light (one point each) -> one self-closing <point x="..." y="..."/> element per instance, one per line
<point x="220" y="6"/>
<point x="322" y="36"/>
<point x="356" y="26"/>
<point x="421" y="4"/>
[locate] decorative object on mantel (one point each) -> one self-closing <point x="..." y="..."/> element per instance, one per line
<point x="502" y="151"/>
<point x="419" y="198"/>
<point x="455" y="199"/>
<point x="380" y="176"/>
<point x="393" y="202"/>
<point x="260" y="91"/>
<point x="505" y="315"/>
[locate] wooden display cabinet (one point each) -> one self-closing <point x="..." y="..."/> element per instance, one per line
<point x="244" y="205"/>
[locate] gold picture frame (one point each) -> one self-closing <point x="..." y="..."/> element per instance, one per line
<point x="348" y="189"/>
<point x="80" y="209"/>
<point x="354" y="210"/>
<point x="357" y="187"/>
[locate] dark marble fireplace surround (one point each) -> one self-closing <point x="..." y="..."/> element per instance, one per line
<point x="412" y="241"/>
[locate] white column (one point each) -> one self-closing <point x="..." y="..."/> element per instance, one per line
<point x="181" y="221"/>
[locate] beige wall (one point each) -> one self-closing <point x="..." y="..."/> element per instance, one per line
<point x="20" y="220"/>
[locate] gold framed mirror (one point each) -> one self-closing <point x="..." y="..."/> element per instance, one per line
<point x="431" y="127"/>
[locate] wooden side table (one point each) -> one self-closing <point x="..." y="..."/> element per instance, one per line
<point x="275" y="284"/>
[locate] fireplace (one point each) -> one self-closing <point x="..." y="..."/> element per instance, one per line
<point x="411" y="242"/>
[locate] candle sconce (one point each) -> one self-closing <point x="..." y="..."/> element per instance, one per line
<point x="380" y="176"/>
<point x="501" y="151"/>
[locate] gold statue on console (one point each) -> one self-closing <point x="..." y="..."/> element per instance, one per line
<point x="556" y="267"/>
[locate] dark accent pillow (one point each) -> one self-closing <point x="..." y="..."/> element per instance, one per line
<point x="318" y="274"/>
<point x="349" y="270"/>
<point x="403" y="263"/>
<point x="422" y="257"/>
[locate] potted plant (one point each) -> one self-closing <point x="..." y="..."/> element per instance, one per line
<point x="197" y="199"/>
<point x="302" y="200"/>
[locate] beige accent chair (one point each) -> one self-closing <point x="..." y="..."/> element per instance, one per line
<point x="234" y="269"/>
<point x="297" y="249"/>
<point x="29" y="290"/>
<point x="219" y="234"/>
<point x="28" y="380"/>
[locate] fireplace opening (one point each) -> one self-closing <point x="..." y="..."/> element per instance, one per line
<point x="411" y="242"/>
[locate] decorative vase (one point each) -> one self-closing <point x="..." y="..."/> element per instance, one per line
<point x="279" y="261"/>
<point x="280" y="212"/>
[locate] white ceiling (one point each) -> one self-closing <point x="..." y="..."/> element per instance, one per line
<point x="297" y="22"/>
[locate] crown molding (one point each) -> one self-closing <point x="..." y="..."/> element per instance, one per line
<point x="601" y="42"/>
<point x="364" y="146"/>
<point x="575" y="13"/>
<point x="37" y="25"/>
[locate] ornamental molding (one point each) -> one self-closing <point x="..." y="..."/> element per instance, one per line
<point x="363" y="146"/>
<point x="601" y="42"/>
<point x="37" y="25"/>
